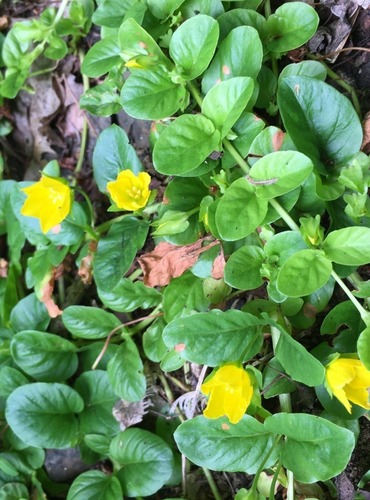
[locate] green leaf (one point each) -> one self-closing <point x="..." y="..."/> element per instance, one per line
<point x="219" y="445"/>
<point x="240" y="54"/>
<point x="44" y="356"/>
<point x="95" y="485"/>
<point x="183" y="296"/>
<point x="146" y="459"/>
<point x="348" y="246"/>
<point x="327" y="445"/>
<point x="10" y="379"/>
<point x="299" y="364"/>
<point x="135" y="41"/>
<point x="153" y="345"/>
<point x="102" y="56"/>
<point x="226" y="101"/>
<point x="213" y="8"/>
<point x="112" y="154"/>
<point x="151" y="95"/>
<point x="242" y="17"/>
<point x="292" y="25"/>
<point x="126" y="372"/>
<point x="184" y="144"/>
<point x="215" y="337"/>
<point x="99" y="398"/>
<point x="243" y="268"/>
<point x="89" y="322"/>
<point x="275" y="380"/>
<point x="363" y="347"/>
<point x="117" y="250"/>
<point x="162" y="9"/>
<point x="278" y="173"/>
<point x="193" y="44"/>
<point x="303" y="273"/>
<point x="128" y="296"/>
<point x="14" y="491"/>
<point x="43" y="415"/>
<point x="283" y="245"/>
<point x="313" y="69"/>
<point x="110" y="13"/>
<point x="239" y="211"/>
<point x="101" y="100"/>
<point x="311" y="111"/>
<point x="29" y="314"/>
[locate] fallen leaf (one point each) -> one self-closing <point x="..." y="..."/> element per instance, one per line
<point x="85" y="270"/>
<point x="168" y="261"/>
<point x="365" y="147"/>
<point x="3" y="268"/>
<point x="218" y="266"/>
<point x="47" y="292"/>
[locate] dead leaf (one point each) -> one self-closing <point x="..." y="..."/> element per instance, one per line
<point x="365" y="146"/>
<point x="3" y="268"/>
<point x="47" y="292"/>
<point x="85" y="270"/>
<point x="218" y="266"/>
<point x="168" y="261"/>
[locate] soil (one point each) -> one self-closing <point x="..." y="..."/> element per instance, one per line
<point x="343" y="25"/>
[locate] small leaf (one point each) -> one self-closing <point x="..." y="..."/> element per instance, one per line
<point x="94" y="484"/>
<point x="243" y="268"/>
<point x="327" y="445"/>
<point x="348" y="246"/>
<point x="101" y="57"/>
<point x="146" y="459"/>
<point x="127" y="296"/>
<point x="215" y="337"/>
<point x="89" y="322"/>
<point x="126" y="372"/>
<point x="303" y="273"/>
<point x="185" y="144"/>
<point x="43" y="415"/>
<point x="219" y="445"/>
<point x="363" y="347"/>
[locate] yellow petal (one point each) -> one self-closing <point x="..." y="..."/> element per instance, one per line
<point x="342" y="397"/>
<point x="128" y="191"/>
<point x="215" y="406"/>
<point x="359" y="397"/>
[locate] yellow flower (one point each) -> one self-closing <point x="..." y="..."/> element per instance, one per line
<point x="230" y="390"/>
<point x="130" y="192"/>
<point x="348" y="380"/>
<point x="49" y="200"/>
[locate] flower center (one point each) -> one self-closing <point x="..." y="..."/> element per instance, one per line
<point x="135" y="193"/>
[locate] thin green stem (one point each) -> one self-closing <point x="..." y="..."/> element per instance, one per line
<point x="89" y="204"/>
<point x="195" y="93"/>
<point x="263" y="464"/>
<point x="365" y="315"/>
<point x="60" y="12"/>
<point x="212" y="484"/>
<point x="267" y="7"/>
<point x="84" y="133"/>
<point x="273" y="482"/>
<point x="284" y="215"/>
<point x="148" y="320"/>
<point x="135" y="274"/>
<point x="237" y="157"/>
<point x="105" y="226"/>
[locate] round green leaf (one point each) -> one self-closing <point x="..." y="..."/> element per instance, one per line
<point x="239" y="211"/>
<point x="314" y="449"/>
<point x="29" y="314"/>
<point x="278" y="173"/>
<point x="95" y="485"/>
<point x="43" y="415"/>
<point x="112" y="154"/>
<point x="151" y="95"/>
<point x="117" y="250"/>
<point x="184" y="144"/>
<point x="126" y="372"/>
<point x="219" y="445"/>
<point x="226" y="101"/>
<point x="292" y="25"/>
<point x="193" y="44"/>
<point x="101" y="100"/>
<point x="215" y="337"/>
<point x="89" y="322"/>
<point x="363" y="347"/>
<point x="127" y="296"/>
<point x="243" y="267"/>
<point x="44" y="356"/>
<point x="10" y="379"/>
<point x="101" y="57"/>
<point x="146" y="459"/>
<point x="303" y="273"/>
<point x="96" y="391"/>
<point x="14" y="491"/>
<point x="240" y="54"/>
<point x="348" y="246"/>
<point x="311" y="111"/>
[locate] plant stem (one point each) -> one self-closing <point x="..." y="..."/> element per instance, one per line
<point x="60" y="12"/>
<point x="212" y="484"/>
<point x="105" y="226"/>
<point x="195" y="93"/>
<point x="263" y="464"/>
<point x="237" y="157"/>
<point x="86" y="85"/>
<point x="365" y="315"/>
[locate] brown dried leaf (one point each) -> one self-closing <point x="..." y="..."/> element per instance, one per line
<point x="168" y="261"/>
<point x="365" y="147"/>
<point x="47" y="292"/>
<point x="3" y="268"/>
<point x="85" y="270"/>
<point x="218" y="266"/>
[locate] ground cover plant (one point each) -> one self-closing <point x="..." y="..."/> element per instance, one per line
<point x="205" y="317"/>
